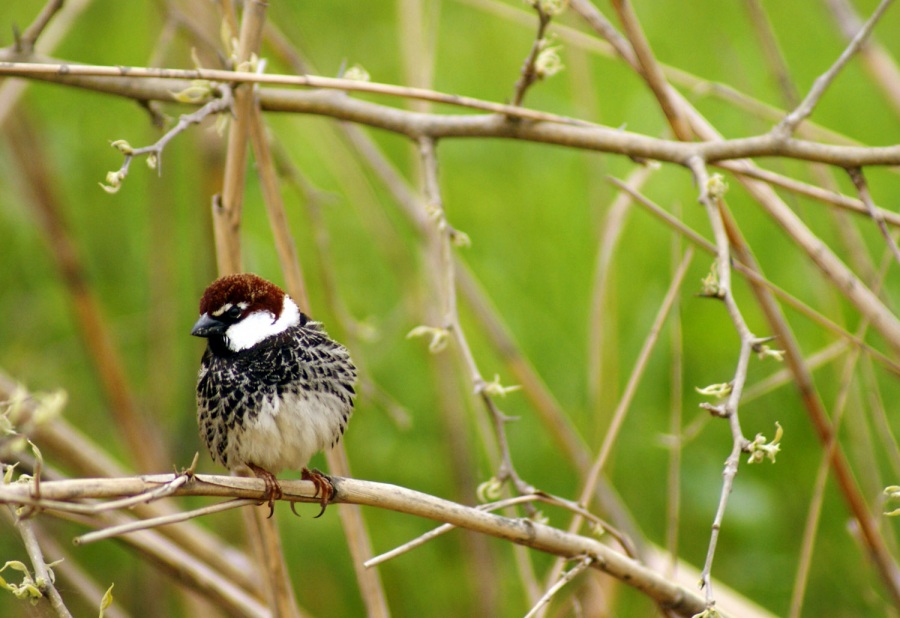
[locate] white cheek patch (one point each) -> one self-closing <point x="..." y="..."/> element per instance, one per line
<point x="261" y="325"/>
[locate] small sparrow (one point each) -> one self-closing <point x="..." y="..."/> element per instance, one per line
<point x="273" y="388"/>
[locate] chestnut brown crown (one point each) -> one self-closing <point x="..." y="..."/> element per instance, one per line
<point x="245" y="290"/>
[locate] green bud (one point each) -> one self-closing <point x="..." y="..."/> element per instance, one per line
<point x="357" y="73"/>
<point x="122" y="146"/>
<point x="548" y="62"/>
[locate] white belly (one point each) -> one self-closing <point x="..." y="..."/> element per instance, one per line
<point x="287" y="432"/>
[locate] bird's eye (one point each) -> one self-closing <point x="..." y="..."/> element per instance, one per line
<point x="234" y="312"/>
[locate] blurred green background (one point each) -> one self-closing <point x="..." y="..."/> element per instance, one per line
<point x="534" y="214"/>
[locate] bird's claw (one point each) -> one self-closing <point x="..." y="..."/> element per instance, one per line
<point x="323" y="484"/>
<point x="273" y="490"/>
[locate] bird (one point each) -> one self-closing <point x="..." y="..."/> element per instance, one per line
<point x="273" y="388"/>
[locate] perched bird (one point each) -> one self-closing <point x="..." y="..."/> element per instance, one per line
<point x="273" y="389"/>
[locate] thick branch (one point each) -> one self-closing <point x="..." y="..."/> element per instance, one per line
<point x="541" y="537"/>
<point x="157" y="84"/>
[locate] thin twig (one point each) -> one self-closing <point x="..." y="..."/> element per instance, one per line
<point x="843" y="475"/>
<point x="581" y="565"/>
<point x="444" y="529"/>
<point x="165" y="520"/>
<point x="607" y="243"/>
<point x="43" y="577"/>
<point x="880" y="64"/>
<point x="528" y="74"/>
<point x="157" y="494"/>
<point x="756" y="279"/>
<point x="599" y="524"/>
<point x="783" y="376"/>
<point x="443" y="239"/>
<point x="676" y="399"/>
<point x="820" y="194"/>
<point x="859" y="181"/>
<point x="596" y="471"/>
<point x="828" y="453"/>
<point x="818" y="489"/>
<point x="710" y="198"/>
<point x="787" y="126"/>
<point x="25" y="42"/>
<point x="772" y="53"/>
<point x="650" y="69"/>
<point x="74" y="577"/>
<point x="217" y="104"/>
<point x="635" y="377"/>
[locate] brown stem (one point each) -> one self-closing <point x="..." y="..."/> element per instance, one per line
<point x="678" y="599"/>
<point x="528" y="75"/>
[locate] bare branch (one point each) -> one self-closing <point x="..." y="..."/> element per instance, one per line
<point x="74" y="577"/>
<point x="618" y="418"/>
<point x="165" y="520"/>
<point x="829" y="452"/>
<point x="25" y="42"/>
<point x="581" y="564"/>
<point x="63" y="72"/>
<point x="711" y="197"/>
<point x="227" y="218"/>
<point x="554" y="129"/>
<point x="651" y="71"/>
<point x="529" y="74"/>
<point x="678" y="599"/>
<point x="44" y="579"/>
<point x="443" y="237"/>
<point x="634" y="379"/>
<point x="217" y="104"/>
<point x="806" y="107"/>
<point x="826" y="196"/>
<point x="444" y="529"/>
<point x="859" y="180"/>
<point x="877" y="60"/>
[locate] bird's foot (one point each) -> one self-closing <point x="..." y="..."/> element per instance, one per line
<point x="273" y="489"/>
<point x="324" y="486"/>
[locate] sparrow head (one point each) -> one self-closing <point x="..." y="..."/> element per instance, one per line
<point x="242" y="310"/>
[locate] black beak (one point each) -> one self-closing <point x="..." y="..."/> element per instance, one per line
<point x="207" y="326"/>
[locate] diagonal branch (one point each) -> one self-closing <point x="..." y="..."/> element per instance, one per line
<point x="821" y="84"/>
<point x="217" y="104"/>
<point x="651" y="70"/>
<point x="26" y="41"/>
<point x="862" y="188"/>
<point x="44" y="579"/>
<point x="442" y="238"/>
